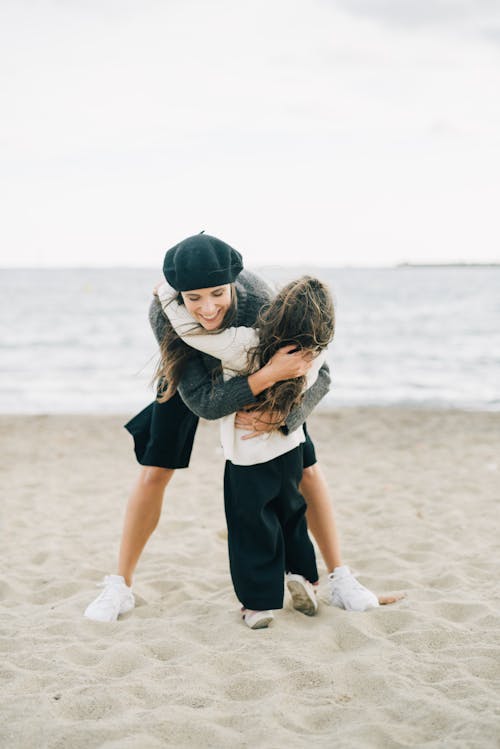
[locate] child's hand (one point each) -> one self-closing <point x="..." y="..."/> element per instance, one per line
<point x="155" y="289"/>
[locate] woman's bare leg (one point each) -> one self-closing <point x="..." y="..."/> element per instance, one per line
<point x="321" y="521"/>
<point x="141" y="517"/>
<point x="320" y="515"/>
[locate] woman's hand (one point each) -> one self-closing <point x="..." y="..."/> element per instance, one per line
<point x="258" y="422"/>
<point x="284" y="365"/>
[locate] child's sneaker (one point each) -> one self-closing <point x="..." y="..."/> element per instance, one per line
<point x="116" y="598"/>
<point x="303" y="594"/>
<point x="257" y="619"/>
<point x="347" y="593"/>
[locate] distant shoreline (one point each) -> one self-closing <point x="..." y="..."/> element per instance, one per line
<point x="447" y="265"/>
<point x="257" y="267"/>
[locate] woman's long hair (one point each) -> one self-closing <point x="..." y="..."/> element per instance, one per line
<point x="175" y="354"/>
<point x="301" y="314"/>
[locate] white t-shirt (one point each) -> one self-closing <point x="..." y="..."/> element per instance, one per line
<point x="232" y="346"/>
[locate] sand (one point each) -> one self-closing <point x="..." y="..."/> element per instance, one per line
<point x="416" y="494"/>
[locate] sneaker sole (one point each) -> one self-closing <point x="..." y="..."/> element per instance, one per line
<point x="338" y="604"/>
<point x="92" y="618"/>
<point x="261" y="622"/>
<point x="125" y="608"/>
<point x="341" y="605"/>
<point x="300" y="598"/>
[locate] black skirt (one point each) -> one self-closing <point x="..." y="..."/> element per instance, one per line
<point x="164" y="434"/>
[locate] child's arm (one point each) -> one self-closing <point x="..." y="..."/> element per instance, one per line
<point x="230" y="345"/>
<point x="312" y="374"/>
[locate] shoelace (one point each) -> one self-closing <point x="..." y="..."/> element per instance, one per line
<point x="107" y="593"/>
<point x="106" y="580"/>
<point x="356" y="584"/>
<point x="350" y="577"/>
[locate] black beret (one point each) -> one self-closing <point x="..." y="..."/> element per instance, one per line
<point x="201" y="262"/>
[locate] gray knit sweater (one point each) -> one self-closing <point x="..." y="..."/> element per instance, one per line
<point x="212" y="398"/>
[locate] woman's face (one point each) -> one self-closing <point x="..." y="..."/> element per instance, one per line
<point x="208" y="306"/>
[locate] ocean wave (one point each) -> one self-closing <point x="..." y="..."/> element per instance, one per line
<point x="420" y="337"/>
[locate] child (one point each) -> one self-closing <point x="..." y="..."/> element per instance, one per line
<point x="267" y="531"/>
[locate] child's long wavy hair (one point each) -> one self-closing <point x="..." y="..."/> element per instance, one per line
<point x="301" y="314"/>
<point x="175" y="354"/>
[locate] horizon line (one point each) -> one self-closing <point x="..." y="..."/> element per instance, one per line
<point x="442" y="264"/>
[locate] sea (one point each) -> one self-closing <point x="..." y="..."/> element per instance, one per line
<point x="79" y="341"/>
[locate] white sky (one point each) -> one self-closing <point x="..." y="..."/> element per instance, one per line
<point x="362" y="132"/>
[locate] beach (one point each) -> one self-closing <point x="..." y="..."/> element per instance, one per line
<point x="416" y="494"/>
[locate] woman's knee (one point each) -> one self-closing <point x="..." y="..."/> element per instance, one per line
<point x="155" y="477"/>
<point x="312" y="485"/>
<point x="310" y="474"/>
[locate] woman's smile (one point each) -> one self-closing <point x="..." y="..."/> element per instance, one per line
<point x="209" y="321"/>
<point x="208" y="306"/>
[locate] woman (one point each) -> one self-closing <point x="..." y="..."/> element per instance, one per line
<point x="202" y="260"/>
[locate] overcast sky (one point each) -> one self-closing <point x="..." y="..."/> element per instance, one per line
<point x="360" y="132"/>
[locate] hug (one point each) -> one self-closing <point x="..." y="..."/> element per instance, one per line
<point x="231" y="350"/>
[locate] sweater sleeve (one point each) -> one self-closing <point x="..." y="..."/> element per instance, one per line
<point x="311" y="398"/>
<point x="205" y="395"/>
<point x="211" y="398"/>
<point x="157" y="319"/>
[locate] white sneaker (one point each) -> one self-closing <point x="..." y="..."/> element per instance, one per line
<point x="116" y="598"/>
<point x="303" y="594"/>
<point x="257" y="619"/>
<point x="347" y="593"/>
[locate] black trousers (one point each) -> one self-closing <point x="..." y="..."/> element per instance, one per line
<point x="267" y="530"/>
